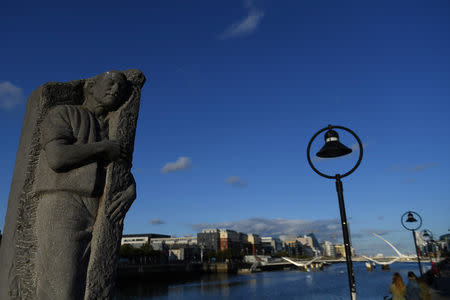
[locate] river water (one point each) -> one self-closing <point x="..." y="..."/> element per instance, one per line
<point x="329" y="284"/>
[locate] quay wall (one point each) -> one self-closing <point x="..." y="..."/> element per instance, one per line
<point x="129" y="271"/>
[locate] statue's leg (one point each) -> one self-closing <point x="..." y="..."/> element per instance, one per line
<point x="64" y="230"/>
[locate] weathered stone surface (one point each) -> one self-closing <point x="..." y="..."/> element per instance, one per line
<point x="105" y="249"/>
<point x="71" y="188"/>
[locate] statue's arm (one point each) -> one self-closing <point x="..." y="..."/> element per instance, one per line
<point x="63" y="156"/>
<point x="60" y="145"/>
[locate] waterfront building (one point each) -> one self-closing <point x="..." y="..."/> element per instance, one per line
<point x="445" y="238"/>
<point x="317" y="248"/>
<point x="230" y="239"/>
<point x="183" y="253"/>
<point x="308" y="251"/>
<point x="305" y="240"/>
<point x="246" y="247"/>
<point x="293" y="247"/>
<point x="255" y="242"/>
<point x="444" y="243"/>
<point x="177" y="248"/>
<point x="222" y="239"/>
<point x="139" y="240"/>
<point x="271" y="245"/>
<point x="340" y="250"/>
<point x="328" y="249"/>
<point x="307" y="243"/>
<point x="209" y="240"/>
<point x="178" y="241"/>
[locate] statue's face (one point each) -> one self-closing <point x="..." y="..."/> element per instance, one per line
<point x="109" y="91"/>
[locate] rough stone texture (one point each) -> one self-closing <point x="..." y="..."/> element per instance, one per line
<point x="18" y="251"/>
<point x="105" y="247"/>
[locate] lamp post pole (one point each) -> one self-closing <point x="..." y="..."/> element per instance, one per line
<point x="411" y="219"/>
<point x="417" y="252"/>
<point x="333" y="148"/>
<point x="347" y="245"/>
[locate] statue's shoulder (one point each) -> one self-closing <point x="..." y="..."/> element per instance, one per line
<point x="64" y="111"/>
<point x="65" y="108"/>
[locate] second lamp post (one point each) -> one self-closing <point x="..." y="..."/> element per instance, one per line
<point x="409" y="219"/>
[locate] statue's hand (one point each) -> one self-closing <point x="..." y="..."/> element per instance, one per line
<point x="113" y="150"/>
<point x="120" y="203"/>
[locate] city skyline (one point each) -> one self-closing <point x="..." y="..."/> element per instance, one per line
<point x="310" y="245"/>
<point x="235" y="91"/>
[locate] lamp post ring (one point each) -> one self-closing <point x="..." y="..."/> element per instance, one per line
<point x="329" y="127"/>
<point x="412" y="228"/>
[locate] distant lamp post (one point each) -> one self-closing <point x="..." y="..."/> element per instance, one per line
<point x="411" y="218"/>
<point x="426" y="233"/>
<point x="334" y="148"/>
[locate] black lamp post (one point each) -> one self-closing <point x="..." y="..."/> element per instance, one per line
<point x="408" y="217"/>
<point x="334" y="148"/>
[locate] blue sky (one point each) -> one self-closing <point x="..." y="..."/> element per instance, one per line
<point x="234" y="92"/>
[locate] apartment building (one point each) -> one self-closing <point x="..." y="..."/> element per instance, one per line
<point x="138" y="240"/>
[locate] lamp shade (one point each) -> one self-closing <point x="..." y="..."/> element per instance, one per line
<point x="332" y="147"/>
<point x="411" y="218"/>
<point x="427" y="234"/>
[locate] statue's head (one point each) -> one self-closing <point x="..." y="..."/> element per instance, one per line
<point x="105" y="92"/>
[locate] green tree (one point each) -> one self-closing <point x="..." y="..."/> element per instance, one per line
<point x="146" y="249"/>
<point x="127" y="251"/>
<point x="223" y="255"/>
<point x="210" y="254"/>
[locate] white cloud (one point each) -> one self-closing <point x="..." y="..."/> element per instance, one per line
<point x="236" y="181"/>
<point x="409" y="181"/>
<point x="249" y="3"/>
<point x="370" y="231"/>
<point x="402" y="167"/>
<point x="323" y="229"/>
<point x="157" y="222"/>
<point x="244" y="27"/>
<point x="421" y="167"/>
<point x="182" y="163"/>
<point x="10" y="95"/>
<point x="396" y="168"/>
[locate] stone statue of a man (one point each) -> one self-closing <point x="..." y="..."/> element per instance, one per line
<point x="70" y="177"/>
<point x="79" y="187"/>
